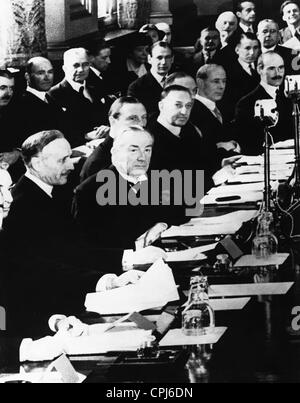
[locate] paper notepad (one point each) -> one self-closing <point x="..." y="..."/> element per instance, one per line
<point x="238" y="290"/>
<point x="155" y="289"/>
<point x="229" y="304"/>
<point x="252" y="261"/>
<point x="176" y="337"/>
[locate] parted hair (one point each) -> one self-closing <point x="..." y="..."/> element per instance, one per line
<point x="35" y="144"/>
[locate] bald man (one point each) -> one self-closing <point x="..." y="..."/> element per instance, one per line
<point x="249" y="132"/>
<point x="38" y="110"/>
<point x="83" y="105"/>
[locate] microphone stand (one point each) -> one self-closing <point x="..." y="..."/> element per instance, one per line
<point x="296" y="116"/>
<point x="267" y="168"/>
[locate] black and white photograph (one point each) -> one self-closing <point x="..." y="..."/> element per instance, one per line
<point x="149" y="194"/>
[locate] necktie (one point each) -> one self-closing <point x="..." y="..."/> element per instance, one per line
<point x="163" y="81"/>
<point x="47" y="99"/>
<point x="84" y="94"/>
<point x="252" y="70"/>
<point x="218" y="115"/>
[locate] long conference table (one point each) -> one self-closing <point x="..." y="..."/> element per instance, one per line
<point x="257" y="306"/>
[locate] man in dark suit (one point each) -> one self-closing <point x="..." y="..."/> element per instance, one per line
<point x="290" y="12"/>
<point x="179" y="144"/>
<point x="37" y="108"/>
<point x="269" y="37"/>
<point x="82" y="103"/>
<point x="206" y="49"/>
<point x="249" y="131"/>
<point x="112" y="218"/>
<point x="11" y="125"/>
<point x="148" y="88"/>
<point x="206" y="115"/>
<point x="242" y="76"/>
<point x="124" y="112"/>
<point x="53" y="265"/>
<point x="246" y="13"/>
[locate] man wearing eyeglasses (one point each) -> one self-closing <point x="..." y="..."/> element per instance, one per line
<point x="80" y="101"/>
<point x="269" y="36"/>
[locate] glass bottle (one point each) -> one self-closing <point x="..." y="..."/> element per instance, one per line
<point x="265" y="242"/>
<point x="198" y="317"/>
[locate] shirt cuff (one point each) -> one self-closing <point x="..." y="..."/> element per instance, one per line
<point x="24" y="348"/>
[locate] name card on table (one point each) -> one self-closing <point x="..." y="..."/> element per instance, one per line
<point x="239" y="290"/>
<point x="176" y="337"/>
<point x="155" y="289"/>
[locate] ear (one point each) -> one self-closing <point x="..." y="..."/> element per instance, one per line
<point x="36" y="163"/>
<point x="161" y="105"/>
<point x="238" y="14"/>
<point x="27" y="77"/>
<point x="237" y="49"/>
<point x="149" y="59"/>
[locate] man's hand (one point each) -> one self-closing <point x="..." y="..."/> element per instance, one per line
<point x="69" y="326"/>
<point x="147" y="256"/>
<point x="98" y="133"/>
<point x="230" y="146"/>
<point x="230" y="161"/>
<point x="111" y="281"/>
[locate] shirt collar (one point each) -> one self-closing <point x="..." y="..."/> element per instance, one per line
<point x="173" y="129"/>
<point x="292" y="29"/>
<point x="97" y="72"/>
<point x="246" y="66"/>
<point x="40" y="94"/>
<point x="265" y="50"/>
<point x="246" y="28"/>
<point x="158" y="78"/>
<point x="272" y="91"/>
<point x="140" y="71"/>
<point x="42" y="185"/>
<point x="211" y="105"/>
<point x="76" y="86"/>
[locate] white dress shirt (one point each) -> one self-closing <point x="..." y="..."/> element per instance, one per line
<point x="42" y="185"/>
<point x="270" y="89"/>
<point x="77" y="86"/>
<point x="265" y="50"/>
<point x="247" y="67"/>
<point x="97" y="72"/>
<point x="40" y="94"/>
<point x="173" y="129"/>
<point x="246" y="28"/>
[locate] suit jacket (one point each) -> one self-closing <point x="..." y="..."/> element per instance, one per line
<point x="249" y="131"/>
<point x="100" y="87"/>
<point x="186" y="152"/>
<point x="38" y="115"/>
<point x="48" y="268"/>
<point x="148" y="91"/>
<point x="98" y="160"/>
<point x="239" y="84"/>
<point x="81" y="114"/>
<point x="114" y="223"/>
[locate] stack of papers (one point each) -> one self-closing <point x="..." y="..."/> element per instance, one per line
<point x="155" y="289"/>
<point x="221" y="225"/>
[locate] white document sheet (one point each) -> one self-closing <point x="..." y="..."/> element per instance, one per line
<point x="287" y="144"/>
<point x="176" y="337"/>
<point x="233" y="198"/>
<point x="155" y="289"/>
<point x="252" y="261"/>
<point x="239" y="290"/>
<point x="186" y="255"/>
<point x="225" y="224"/>
<point x="243" y="188"/>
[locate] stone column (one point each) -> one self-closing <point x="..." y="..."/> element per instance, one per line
<point x="22" y="31"/>
<point x="160" y="11"/>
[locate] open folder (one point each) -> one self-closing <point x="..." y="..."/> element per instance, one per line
<point x="155" y="289"/>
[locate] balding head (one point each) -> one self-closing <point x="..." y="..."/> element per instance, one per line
<point x="268" y="33"/>
<point x="227" y="24"/>
<point x="271" y="69"/>
<point x="211" y="81"/>
<point x="164" y="27"/>
<point x="39" y="74"/>
<point x="76" y="65"/>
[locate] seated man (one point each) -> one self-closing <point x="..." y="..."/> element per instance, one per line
<point x="114" y="217"/>
<point x="81" y="102"/>
<point x="206" y="48"/>
<point x="11" y="125"/>
<point x="249" y="131"/>
<point x="178" y="143"/>
<point x="206" y="115"/>
<point x="148" y="88"/>
<point x="53" y="266"/>
<point x="38" y="110"/>
<point x="125" y="111"/>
